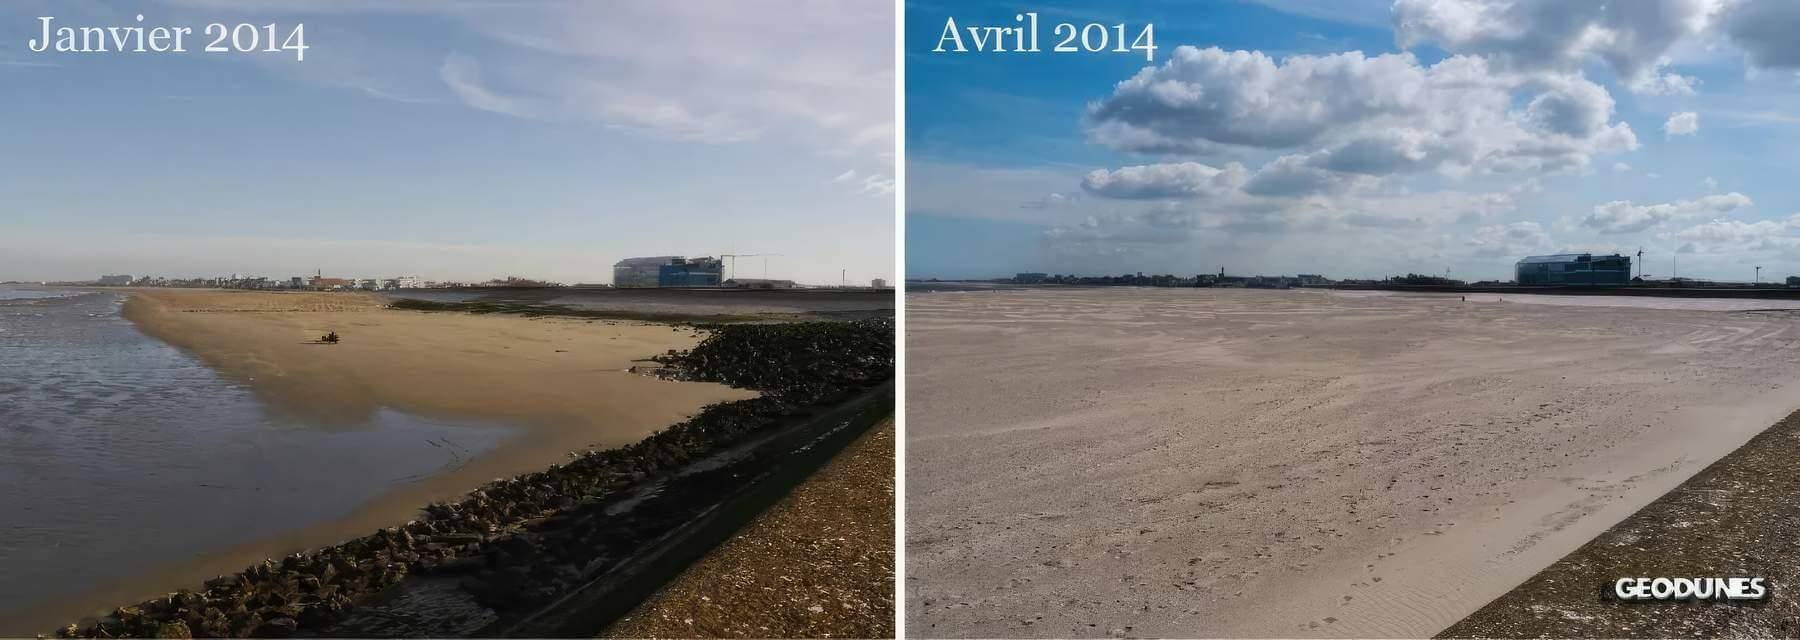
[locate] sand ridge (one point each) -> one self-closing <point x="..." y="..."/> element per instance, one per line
<point x="541" y="372"/>
<point x="1090" y="462"/>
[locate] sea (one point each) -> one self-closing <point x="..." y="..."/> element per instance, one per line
<point x="120" y="454"/>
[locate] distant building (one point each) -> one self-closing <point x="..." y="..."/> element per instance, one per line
<point x="321" y="283"/>
<point x="1030" y="278"/>
<point x="759" y="283"/>
<point x="115" y="281"/>
<point x="640" y="273"/>
<point x="1268" y="282"/>
<point x="1312" y="279"/>
<point x="878" y="283"/>
<point x="1574" y="269"/>
<point x="690" y="272"/>
<point x="667" y="272"/>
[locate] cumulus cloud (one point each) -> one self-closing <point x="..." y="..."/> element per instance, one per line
<point x="1765" y="30"/>
<point x="1737" y="244"/>
<point x="1162" y="181"/>
<point x="1157" y="225"/>
<point x="1685" y="123"/>
<point x="1361" y="114"/>
<point x="1718" y="234"/>
<point x="1296" y="175"/>
<point x="1624" y="216"/>
<point x="1632" y="37"/>
<point x="1509" y="240"/>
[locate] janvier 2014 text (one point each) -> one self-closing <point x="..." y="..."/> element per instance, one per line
<point x="138" y="38"/>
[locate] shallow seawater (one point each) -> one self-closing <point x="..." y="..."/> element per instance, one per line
<point x="120" y="454"/>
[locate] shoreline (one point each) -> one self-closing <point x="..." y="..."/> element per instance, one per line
<point x="521" y="543"/>
<point x="264" y="347"/>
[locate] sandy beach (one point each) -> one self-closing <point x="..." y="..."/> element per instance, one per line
<point x="563" y="384"/>
<point x="1142" y="462"/>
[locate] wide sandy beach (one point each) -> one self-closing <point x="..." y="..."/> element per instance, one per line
<point x="563" y="384"/>
<point x="1191" y="462"/>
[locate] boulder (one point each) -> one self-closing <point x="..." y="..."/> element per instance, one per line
<point x="176" y="629"/>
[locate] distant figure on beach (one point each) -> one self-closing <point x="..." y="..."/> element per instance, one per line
<point x="329" y="338"/>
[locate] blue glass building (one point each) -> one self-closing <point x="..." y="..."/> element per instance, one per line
<point x="667" y="271"/>
<point x="693" y="272"/>
<point x="1574" y="269"/>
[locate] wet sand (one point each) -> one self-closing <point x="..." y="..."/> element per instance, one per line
<point x="563" y="383"/>
<point x="1092" y="462"/>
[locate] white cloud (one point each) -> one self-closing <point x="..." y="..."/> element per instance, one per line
<point x="1051" y="201"/>
<point x="1160" y="181"/>
<point x="1709" y="184"/>
<point x="1371" y="115"/>
<point x="1718" y="234"/>
<point x="876" y="185"/>
<point x="687" y="71"/>
<point x="1620" y="167"/>
<point x="1736" y="246"/>
<point x="1632" y="37"/>
<point x="1668" y="84"/>
<point x="1509" y="240"/>
<point x="463" y="75"/>
<point x="1684" y="123"/>
<point x="1624" y="216"/>
<point x="1295" y="175"/>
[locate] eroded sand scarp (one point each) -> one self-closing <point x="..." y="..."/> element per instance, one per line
<point x="1086" y="462"/>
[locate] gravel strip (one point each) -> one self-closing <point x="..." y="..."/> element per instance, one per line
<point x="820" y="564"/>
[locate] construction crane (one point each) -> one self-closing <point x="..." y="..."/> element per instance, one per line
<point x="731" y="268"/>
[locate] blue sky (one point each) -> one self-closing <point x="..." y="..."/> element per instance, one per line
<point x="1359" y="138"/>
<point x="466" y="139"/>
